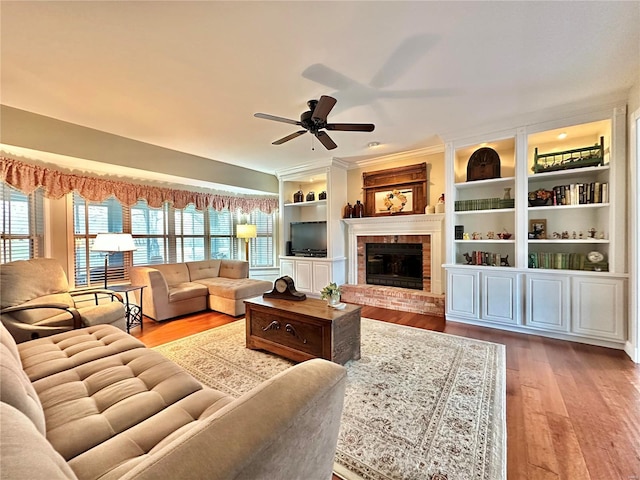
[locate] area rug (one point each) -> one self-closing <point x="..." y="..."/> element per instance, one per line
<point x="418" y="404"/>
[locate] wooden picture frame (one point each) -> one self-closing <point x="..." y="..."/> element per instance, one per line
<point x="395" y="191"/>
<point x="537" y="228"/>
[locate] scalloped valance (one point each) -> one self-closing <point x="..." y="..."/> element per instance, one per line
<point x="55" y="184"/>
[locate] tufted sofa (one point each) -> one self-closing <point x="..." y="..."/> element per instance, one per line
<point x="180" y="288"/>
<point x="94" y="403"/>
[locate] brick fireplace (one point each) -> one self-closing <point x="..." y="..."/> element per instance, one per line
<point x="406" y="229"/>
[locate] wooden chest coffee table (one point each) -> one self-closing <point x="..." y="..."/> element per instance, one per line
<point x="303" y="330"/>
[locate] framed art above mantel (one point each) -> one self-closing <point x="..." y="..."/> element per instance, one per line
<point x="395" y="191"/>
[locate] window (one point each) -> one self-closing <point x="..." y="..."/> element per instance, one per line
<point x="150" y="231"/>
<point x="89" y="219"/>
<point x="189" y="234"/>
<point x="22" y="218"/>
<point x="222" y="242"/>
<point x="163" y="235"/>
<point x="261" y="248"/>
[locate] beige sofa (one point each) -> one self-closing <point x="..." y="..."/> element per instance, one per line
<point x="175" y="289"/>
<point x="94" y="403"/>
<point x="35" y="301"/>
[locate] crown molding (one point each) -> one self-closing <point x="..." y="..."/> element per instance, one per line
<point x="393" y="157"/>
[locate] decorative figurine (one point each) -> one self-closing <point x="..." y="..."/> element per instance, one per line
<point x="573" y="235"/>
<point x="565" y="235"/>
<point x="601" y="236"/>
<point x="468" y="258"/>
<point x="592" y="233"/>
<point x="504" y="261"/>
<point x="556" y="235"/>
<point x="476" y="236"/>
<point x="507" y="193"/>
<point x="465" y="236"/>
<point x="581" y="235"/>
<point x="491" y="235"/>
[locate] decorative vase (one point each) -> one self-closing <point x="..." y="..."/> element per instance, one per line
<point x="334" y="299"/>
<point x="322" y="195"/>
<point x="298" y="196"/>
<point x="358" y="210"/>
<point x="311" y="196"/>
<point x="348" y="211"/>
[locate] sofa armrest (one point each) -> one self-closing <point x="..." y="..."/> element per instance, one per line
<point x="95" y="292"/>
<point x="75" y="315"/>
<point x="287" y="427"/>
<point x="156" y="295"/>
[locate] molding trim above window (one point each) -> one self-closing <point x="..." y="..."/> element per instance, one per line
<point x="55" y="184"/>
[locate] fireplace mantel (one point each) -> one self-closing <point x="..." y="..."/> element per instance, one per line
<point x="398" y="225"/>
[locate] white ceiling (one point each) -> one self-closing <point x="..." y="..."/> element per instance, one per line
<point x="190" y="75"/>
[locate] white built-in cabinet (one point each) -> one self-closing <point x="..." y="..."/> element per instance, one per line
<point x="312" y="274"/>
<point x="543" y="287"/>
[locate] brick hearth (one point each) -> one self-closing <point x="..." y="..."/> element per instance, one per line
<point x="394" y="298"/>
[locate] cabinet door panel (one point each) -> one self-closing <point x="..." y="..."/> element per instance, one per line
<point x="321" y="276"/>
<point x="598" y="308"/>
<point x="547" y="302"/>
<point x="302" y="277"/>
<point x="462" y="293"/>
<point x="500" y="298"/>
<point x="286" y="268"/>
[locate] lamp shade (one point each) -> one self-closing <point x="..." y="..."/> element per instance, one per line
<point x="246" y="231"/>
<point x="113" y="242"/>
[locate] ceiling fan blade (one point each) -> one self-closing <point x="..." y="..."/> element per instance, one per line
<point x="326" y="140"/>
<point x="351" y="127"/>
<point x="289" y="137"/>
<point x="266" y="116"/>
<point x="324" y="106"/>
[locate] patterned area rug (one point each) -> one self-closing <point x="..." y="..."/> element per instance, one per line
<point x="418" y="405"/>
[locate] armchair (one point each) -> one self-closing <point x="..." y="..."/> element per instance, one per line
<point x="35" y="301"/>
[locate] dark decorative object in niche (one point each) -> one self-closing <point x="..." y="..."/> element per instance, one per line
<point x="298" y="196"/>
<point x="311" y="196"/>
<point x="483" y="164"/>
<point x="322" y="195"/>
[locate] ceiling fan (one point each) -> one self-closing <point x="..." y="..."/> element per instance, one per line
<point x="314" y="120"/>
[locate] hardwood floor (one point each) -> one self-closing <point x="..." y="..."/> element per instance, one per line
<point x="573" y="410"/>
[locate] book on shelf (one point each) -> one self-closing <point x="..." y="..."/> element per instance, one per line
<point x="580" y="193"/>
<point x="558" y="261"/>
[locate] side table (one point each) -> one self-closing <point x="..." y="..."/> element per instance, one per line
<point x="133" y="312"/>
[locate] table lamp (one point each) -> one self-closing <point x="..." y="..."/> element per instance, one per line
<point x="247" y="232"/>
<point x="111" y="243"/>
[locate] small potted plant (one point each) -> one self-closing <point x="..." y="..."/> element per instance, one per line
<point x="331" y="293"/>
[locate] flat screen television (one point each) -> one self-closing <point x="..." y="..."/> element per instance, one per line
<point x="308" y="239"/>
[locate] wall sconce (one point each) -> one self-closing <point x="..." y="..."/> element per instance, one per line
<point x="111" y="243"/>
<point x="246" y="231"/>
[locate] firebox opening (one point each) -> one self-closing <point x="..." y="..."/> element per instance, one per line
<point x="394" y="264"/>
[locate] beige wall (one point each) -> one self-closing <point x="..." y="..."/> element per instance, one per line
<point x="29" y="130"/>
<point x="435" y="174"/>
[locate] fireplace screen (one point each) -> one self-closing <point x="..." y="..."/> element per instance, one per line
<point x="394" y="264"/>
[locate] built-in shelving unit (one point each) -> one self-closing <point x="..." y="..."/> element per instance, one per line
<point x="554" y="284"/>
<point x="311" y="274"/>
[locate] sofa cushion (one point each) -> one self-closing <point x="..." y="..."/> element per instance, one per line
<point x="203" y="269"/>
<point x="15" y="387"/>
<point x="97" y="401"/>
<point x="234" y="269"/>
<point x="49" y="355"/>
<point x="104" y="313"/>
<point x="236" y="288"/>
<point x="185" y="291"/>
<point x="53" y="317"/>
<point x="174" y="273"/>
<point x="26" y="453"/>
<point x="24" y="280"/>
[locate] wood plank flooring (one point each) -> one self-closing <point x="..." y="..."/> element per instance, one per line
<point x="573" y="410"/>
